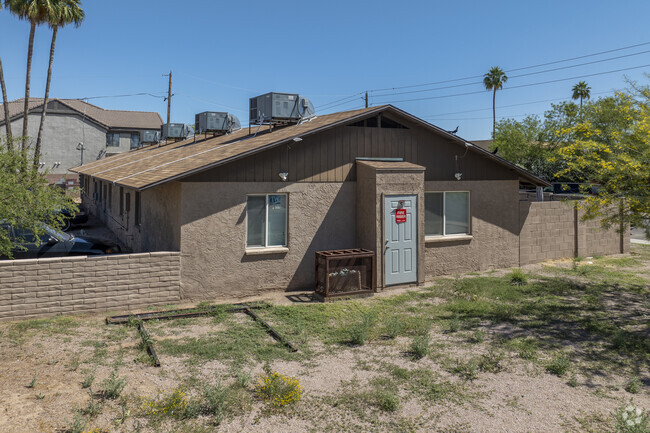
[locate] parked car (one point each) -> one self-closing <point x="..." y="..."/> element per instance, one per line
<point x="55" y="243"/>
<point x="78" y="218"/>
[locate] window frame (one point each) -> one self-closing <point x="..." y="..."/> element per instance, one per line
<point x="112" y="141"/>
<point x="266" y="245"/>
<point x="444" y="215"/>
<point x="138" y="208"/>
<point x="137" y="136"/>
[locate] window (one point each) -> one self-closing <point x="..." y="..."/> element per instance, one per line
<point x="110" y="195"/>
<point x="266" y="220"/>
<point x="112" y="140"/>
<point x="446" y="213"/>
<point x="135" y="141"/>
<point x="138" y="209"/>
<point x="121" y="201"/>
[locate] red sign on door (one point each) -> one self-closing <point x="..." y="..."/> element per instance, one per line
<point x="400" y="215"/>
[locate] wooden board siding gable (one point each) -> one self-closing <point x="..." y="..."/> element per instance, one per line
<point x="330" y="157"/>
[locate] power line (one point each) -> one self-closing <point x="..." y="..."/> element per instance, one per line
<point x="513" y="70"/>
<point x="211" y="102"/>
<point x="333" y="102"/>
<point x="516" y="87"/>
<point x="516" y="76"/>
<point x="429" y="116"/>
<point x="121" y="96"/>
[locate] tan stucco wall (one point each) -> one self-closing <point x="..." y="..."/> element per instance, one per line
<point x="494" y="223"/>
<point x="214" y="263"/>
<point x="160" y="229"/>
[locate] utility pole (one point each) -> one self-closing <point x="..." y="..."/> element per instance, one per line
<point x="366" y="99"/>
<point x="169" y="96"/>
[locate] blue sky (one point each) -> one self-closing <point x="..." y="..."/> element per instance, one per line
<point x="222" y="53"/>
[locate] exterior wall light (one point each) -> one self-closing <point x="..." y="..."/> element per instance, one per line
<point x="297" y="139"/>
<point x="283" y="175"/>
<point x="458" y="175"/>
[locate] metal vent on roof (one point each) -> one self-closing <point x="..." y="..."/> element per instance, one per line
<point x="279" y="109"/>
<point x="173" y="131"/>
<point x="217" y="123"/>
<point x="149" y="136"/>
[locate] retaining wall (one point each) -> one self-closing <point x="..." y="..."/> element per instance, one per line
<point x="71" y="285"/>
<point x="553" y="230"/>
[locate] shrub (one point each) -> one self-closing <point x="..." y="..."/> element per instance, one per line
<point x="278" y="389"/>
<point x="478" y="336"/>
<point x="113" y="386"/>
<point x="420" y="346"/>
<point x="467" y="370"/>
<point x="175" y="405"/>
<point x="77" y="425"/>
<point x="517" y="277"/>
<point x="393" y="327"/>
<point x="388" y="401"/>
<point x="634" y="385"/>
<point x="88" y="380"/>
<point x="491" y="362"/>
<point x="359" y="332"/>
<point x="632" y="419"/>
<point x="215" y="401"/>
<point x="558" y="365"/>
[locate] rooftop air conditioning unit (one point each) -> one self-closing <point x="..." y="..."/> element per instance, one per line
<point x="173" y="131"/>
<point x="279" y="108"/>
<point x="149" y="136"/>
<point x="215" y="122"/>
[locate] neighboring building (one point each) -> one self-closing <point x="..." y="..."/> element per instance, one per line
<point x="73" y="121"/>
<point x="248" y="210"/>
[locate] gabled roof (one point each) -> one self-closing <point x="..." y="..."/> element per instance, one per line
<point x="110" y="119"/>
<point x="150" y="166"/>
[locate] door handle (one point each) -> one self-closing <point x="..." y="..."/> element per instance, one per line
<point x="386" y="245"/>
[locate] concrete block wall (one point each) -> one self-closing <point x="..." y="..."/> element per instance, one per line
<point x="553" y="230"/>
<point x="72" y="285"/>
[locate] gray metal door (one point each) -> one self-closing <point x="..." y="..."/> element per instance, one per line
<point x="401" y="245"/>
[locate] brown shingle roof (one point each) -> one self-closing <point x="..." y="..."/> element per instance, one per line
<point x="150" y="166"/>
<point x="108" y="118"/>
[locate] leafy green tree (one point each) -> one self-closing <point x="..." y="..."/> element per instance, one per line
<point x="26" y="201"/>
<point x="36" y="12"/>
<point x="581" y="91"/>
<point x="523" y="142"/>
<point x="64" y="12"/>
<point x="5" y="104"/>
<point x="494" y="80"/>
<point x="610" y="146"/>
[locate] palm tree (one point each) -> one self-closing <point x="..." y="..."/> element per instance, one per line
<point x="494" y="80"/>
<point x="5" y="103"/>
<point x="581" y="91"/>
<point x="65" y="12"/>
<point x="36" y="12"/>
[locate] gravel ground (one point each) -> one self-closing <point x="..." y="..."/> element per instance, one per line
<point x="521" y="397"/>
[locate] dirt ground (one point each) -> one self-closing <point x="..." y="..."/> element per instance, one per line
<point x="44" y="363"/>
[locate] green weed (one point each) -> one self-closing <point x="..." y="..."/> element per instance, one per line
<point x="559" y="365"/>
<point x="420" y="346"/>
<point x="634" y="385"/>
<point x="517" y="277"/>
<point x="113" y="386"/>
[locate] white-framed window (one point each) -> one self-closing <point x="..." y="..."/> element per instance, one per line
<point x="266" y="220"/>
<point x="446" y="213"/>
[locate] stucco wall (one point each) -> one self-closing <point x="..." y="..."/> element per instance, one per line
<point x="321" y="216"/>
<point x="72" y="285"/>
<point x="160" y="227"/>
<point x="494" y="241"/>
<point x="61" y="134"/>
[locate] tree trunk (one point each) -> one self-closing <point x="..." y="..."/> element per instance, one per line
<point x="494" y="113"/>
<point x="28" y="77"/>
<point x="37" y="149"/>
<point x="5" y="105"/>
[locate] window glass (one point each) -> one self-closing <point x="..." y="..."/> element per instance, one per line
<point x="433" y="213"/>
<point x="135" y="141"/>
<point x="112" y="140"/>
<point x="255" y="220"/>
<point x="456" y="213"/>
<point x="277" y="217"/>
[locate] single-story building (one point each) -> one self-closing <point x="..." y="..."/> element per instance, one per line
<point x="249" y="210"/>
